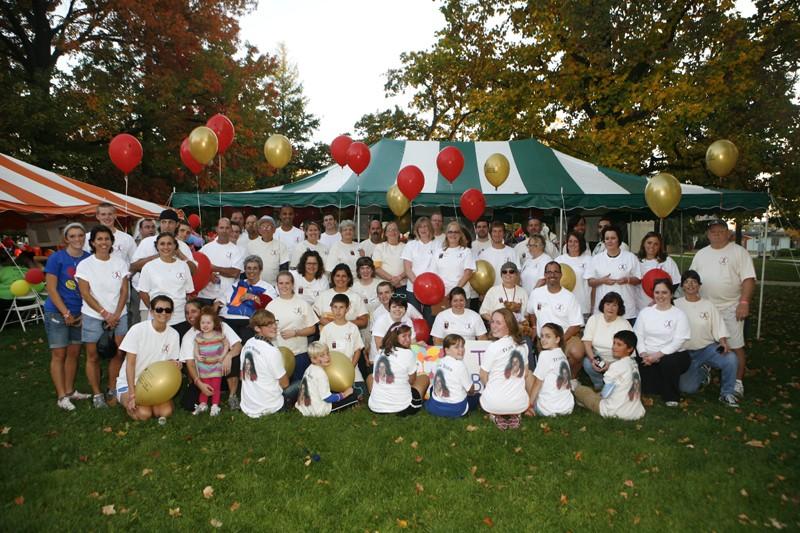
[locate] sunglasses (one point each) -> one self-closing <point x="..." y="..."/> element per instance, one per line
<point x="160" y="310"/>
<point x="508" y="271"/>
<point x="398" y="295"/>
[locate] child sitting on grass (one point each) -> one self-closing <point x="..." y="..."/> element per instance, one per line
<point x="551" y="394"/>
<point x="210" y="347"/>
<point x="451" y="382"/>
<point x="395" y="387"/>
<point x="263" y="374"/>
<point x="341" y="335"/>
<point x="621" y="396"/>
<point x="315" y="397"/>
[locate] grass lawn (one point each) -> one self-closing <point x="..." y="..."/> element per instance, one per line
<point x="701" y="467"/>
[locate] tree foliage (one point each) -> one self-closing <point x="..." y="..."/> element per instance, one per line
<point x="638" y="86"/>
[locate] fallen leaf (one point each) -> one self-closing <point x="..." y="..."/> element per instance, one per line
<point x="5" y="430"/>
<point x="744" y="493"/>
<point x="83" y="458"/>
<point x="220" y="476"/>
<point x="374" y="422"/>
<point x="471" y="428"/>
<point x="414" y="445"/>
<point x="398" y="440"/>
<point x="323" y="482"/>
<point x="215" y="523"/>
<point x="488" y="521"/>
<point x="419" y="488"/>
<point x="518" y="449"/>
<point x="624" y="495"/>
<point x="147" y="472"/>
<point x="108" y="510"/>
<point x="579" y="456"/>
<point x="402" y="524"/>
<point x="94" y="494"/>
<point x="235" y="506"/>
<point x="6" y="445"/>
<point x="418" y="459"/>
<point x="563" y="499"/>
<point x="777" y="525"/>
<point x="175" y="513"/>
<point x="208" y="492"/>
<point x="636" y="520"/>
<point x="754" y="443"/>
<point x="473" y="469"/>
<point x="583" y="429"/>
<point x="480" y="480"/>
<point x="611" y="511"/>
<point x="628" y="483"/>
<point x="155" y="454"/>
<point x="19" y="500"/>
<point x="743" y="518"/>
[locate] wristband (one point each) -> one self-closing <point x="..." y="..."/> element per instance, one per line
<point x="744" y="302"/>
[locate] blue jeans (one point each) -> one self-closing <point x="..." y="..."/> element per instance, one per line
<point x="726" y="363"/>
<point x="596" y="377"/>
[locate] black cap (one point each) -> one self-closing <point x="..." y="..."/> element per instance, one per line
<point x="168" y="214"/>
<point x="716" y="222"/>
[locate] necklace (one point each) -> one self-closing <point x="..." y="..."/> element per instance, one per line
<point x="513" y="295"/>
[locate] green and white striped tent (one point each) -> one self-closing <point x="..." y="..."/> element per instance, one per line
<point x="540" y="177"/>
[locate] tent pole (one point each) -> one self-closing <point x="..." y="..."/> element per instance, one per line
<point x="763" y="270"/>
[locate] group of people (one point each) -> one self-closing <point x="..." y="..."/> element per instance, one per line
<point x="318" y="290"/>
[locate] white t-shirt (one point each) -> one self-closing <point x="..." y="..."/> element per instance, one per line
<point x="532" y="271"/>
<point x="622" y="266"/>
<point x="625" y="400"/>
<point x="722" y="273"/>
<point x="389" y="258"/>
<point x="327" y="239"/>
<point x="560" y="308"/>
<point x="521" y="249"/>
<point x="105" y="279"/>
<point x="309" y="290"/>
<point x="497" y="296"/>
<point x="420" y="255"/>
<point x="123" y="248"/>
<point x="391" y="391"/>
<point x="582" y="291"/>
<point x="292" y="314"/>
<point x="367" y="293"/>
<point x="262" y="367"/>
<point x="450" y="264"/>
<point x="322" y="304"/>
<point x="291" y="239"/>
<point x="172" y="279"/>
<point x="497" y="257"/>
<point x="147" y="248"/>
<point x="343" y="253"/>
<point x="314" y="388"/>
<point x="668" y="266"/>
<point x="241" y="244"/>
<point x="478" y="245"/>
<point x="661" y="331"/>
<point x="221" y="255"/>
<point x="305" y="246"/>
<point x="187" y="343"/>
<point x="469" y="324"/>
<point x="705" y="323"/>
<point x="273" y="253"/>
<point x="369" y="247"/>
<point x="451" y="380"/>
<point x="150" y="346"/>
<point x="505" y="392"/>
<point x="601" y="334"/>
<point x="346" y="339"/>
<point x="555" y="396"/>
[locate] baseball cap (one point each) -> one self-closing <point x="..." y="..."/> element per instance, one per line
<point x="168" y="214"/>
<point x="508" y="265"/>
<point x="716" y="222"/>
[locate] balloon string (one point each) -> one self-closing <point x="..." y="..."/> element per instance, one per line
<point x="127" y="214"/>
<point x="453" y="197"/>
<point x="220" y="187"/>
<point x="197" y="191"/>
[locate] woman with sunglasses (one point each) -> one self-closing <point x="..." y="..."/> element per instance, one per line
<point x="509" y="294"/>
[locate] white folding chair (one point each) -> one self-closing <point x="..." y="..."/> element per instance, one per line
<point x="27" y="309"/>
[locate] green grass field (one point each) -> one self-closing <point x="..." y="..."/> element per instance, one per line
<point x="702" y="467"/>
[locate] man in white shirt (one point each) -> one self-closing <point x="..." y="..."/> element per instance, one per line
<point x="437" y="221"/>
<point x="367" y="246"/>
<point x="237" y="217"/>
<point x="287" y="233"/>
<point x="600" y="247"/>
<point x="498" y="253"/>
<point x="331" y="234"/>
<point x="534" y="227"/>
<point x="272" y="252"/>
<point x="729" y="280"/>
<point x="226" y="264"/>
<point x="482" y="240"/>
<point x="553" y="303"/>
<point x="124" y="246"/>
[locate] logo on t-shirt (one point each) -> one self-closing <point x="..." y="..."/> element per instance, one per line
<point x="300" y="290"/>
<point x="165" y="349"/>
<point x="621" y="267"/>
<point x="704" y="315"/>
<point x="446" y="324"/>
<point x="668" y="324"/>
<point x="180" y="276"/>
<point x="333" y="345"/>
<point x="228" y="255"/>
<point x="441" y="255"/>
<point x="116" y="275"/>
<point x="298" y="311"/>
<point x="559" y="308"/>
<point x="723" y="260"/>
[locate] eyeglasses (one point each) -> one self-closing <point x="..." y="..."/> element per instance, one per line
<point x="508" y="271"/>
<point x="398" y="295"/>
<point x="454" y="232"/>
<point x="160" y="310"/>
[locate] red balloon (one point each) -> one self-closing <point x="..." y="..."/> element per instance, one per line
<point x="649" y="279"/>
<point x="202" y="275"/>
<point x="450" y="163"/>
<point x="339" y="148"/>
<point x="34" y="276"/>
<point x="473" y="204"/>
<point x="422" y="329"/>
<point x="410" y="181"/>
<point x="194" y="221"/>
<point x="125" y="152"/>
<point x="429" y="288"/>
<point x="223" y="127"/>
<point x="358" y="157"/>
<point x="186" y="156"/>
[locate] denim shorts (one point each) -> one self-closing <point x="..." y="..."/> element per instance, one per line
<point x="92" y="328"/>
<point x="59" y="334"/>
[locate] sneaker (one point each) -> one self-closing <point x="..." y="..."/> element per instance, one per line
<point x="513" y="421"/>
<point x="162" y="420"/>
<point x="65" y="404"/>
<point x="738" y="389"/>
<point x="233" y="402"/>
<point x="200" y="408"/>
<point x="729" y="400"/>
<point x="75" y="395"/>
<point x="499" y="421"/>
<point x="214" y="410"/>
<point x="706" y="370"/>
<point x="99" y="402"/>
<point x="671" y="404"/>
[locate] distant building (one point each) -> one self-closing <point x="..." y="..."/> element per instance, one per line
<point x="777" y="239"/>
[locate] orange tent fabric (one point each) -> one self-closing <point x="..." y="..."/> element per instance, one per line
<point x="26" y="189"/>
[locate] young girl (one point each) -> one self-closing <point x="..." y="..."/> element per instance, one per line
<point x="551" y="393"/>
<point x="210" y="347"/>
<point x="394" y="385"/>
<point x="315" y="397"/>
<point x="263" y="374"/>
<point x="451" y="382"/>
<point x="621" y="396"/>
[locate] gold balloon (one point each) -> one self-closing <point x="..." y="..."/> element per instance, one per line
<point x="341" y="372"/>
<point x="721" y="157"/>
<point x="278" y="151"/>
<point x="663" y="194"/>
<point x="288" y="360"/>
<point x="20" y="288"/>
<point x="397" y="201"/>
<point x="482" y="278"/>
<point x="158" y="383"/>
<point x="404" y="222"/>
<point x="203" y="144"/>
<point x="496" y="169"/>
<point x="567" y="277"/>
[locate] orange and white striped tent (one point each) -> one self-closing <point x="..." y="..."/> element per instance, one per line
<point x="29" y="190"/>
